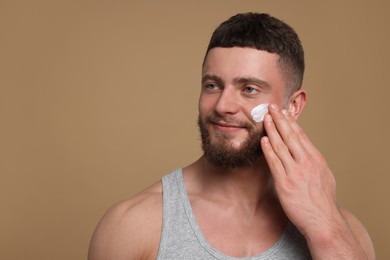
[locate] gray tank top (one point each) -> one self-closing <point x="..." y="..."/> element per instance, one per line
<point x="182" y="238"/>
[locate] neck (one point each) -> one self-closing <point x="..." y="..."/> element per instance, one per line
<point x="246" y="188"/>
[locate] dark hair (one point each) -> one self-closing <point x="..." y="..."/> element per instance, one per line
<point x="267" y="33"/>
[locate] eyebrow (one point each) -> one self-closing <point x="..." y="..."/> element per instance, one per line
<point x="239" y="80"/>
<point x="257" y="81"/>
<point x="211" y="77"/>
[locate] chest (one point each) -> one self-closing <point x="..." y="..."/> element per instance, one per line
<point x="235" y="233"/>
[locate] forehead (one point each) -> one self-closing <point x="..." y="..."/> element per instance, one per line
<point x="235" y="62"/>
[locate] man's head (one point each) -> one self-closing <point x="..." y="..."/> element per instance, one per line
<point x="267" y="33"/>
<point x="252" y="59"/>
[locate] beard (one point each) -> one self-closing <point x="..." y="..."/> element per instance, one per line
<point x="221" y="153"/>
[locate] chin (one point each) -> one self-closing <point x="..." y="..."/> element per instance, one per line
<point x="236" y="145"/>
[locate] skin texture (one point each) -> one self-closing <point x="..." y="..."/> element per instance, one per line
<point x="290" y="181"/>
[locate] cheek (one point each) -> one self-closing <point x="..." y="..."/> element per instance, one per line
<point x="258" y="112"/>
<point x="279" y="98"/>
<point x="254" y="111"/>
<point x="201" y="106"/>
<point x="206" y="103"/>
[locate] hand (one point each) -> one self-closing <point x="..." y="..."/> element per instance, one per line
<point x="306" y="189"/>
<point x="304" y="183"/>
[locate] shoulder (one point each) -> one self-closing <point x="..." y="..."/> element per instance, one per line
<point x="131" y="228"/>
<point x="360" y="233"/>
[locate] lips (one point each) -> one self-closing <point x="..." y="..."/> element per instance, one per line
<point x="224" y="124"/>
<point x="227" y="127"/>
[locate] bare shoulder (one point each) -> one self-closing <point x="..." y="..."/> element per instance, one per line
<point x="130" y="229"/>
<point x="360" y="233"/>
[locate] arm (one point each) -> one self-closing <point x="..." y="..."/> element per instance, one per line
<point x="306" y="189"/>
<point x="130" y="229"/>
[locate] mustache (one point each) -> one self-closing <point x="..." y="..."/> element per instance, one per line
<point x="215" y="118"/>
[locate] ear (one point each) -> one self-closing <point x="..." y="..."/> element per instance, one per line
<point x="296" y="103"/>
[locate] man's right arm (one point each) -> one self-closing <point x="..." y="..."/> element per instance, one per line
<point x="130" y="229"/>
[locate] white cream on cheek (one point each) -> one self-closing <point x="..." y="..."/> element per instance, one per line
<point x="258" y="112"/>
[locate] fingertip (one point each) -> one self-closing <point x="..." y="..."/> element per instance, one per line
<point x="267" y="118"/>
<point x="265" y="142"/>
<point x="273" y="107"/>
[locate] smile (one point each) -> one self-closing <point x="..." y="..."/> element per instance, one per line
<point x="227" y="127"/>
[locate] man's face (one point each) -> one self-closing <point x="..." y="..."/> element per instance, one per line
<point x="234" y="81"/>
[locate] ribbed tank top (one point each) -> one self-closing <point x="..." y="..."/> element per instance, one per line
<point x="182" y="239"/>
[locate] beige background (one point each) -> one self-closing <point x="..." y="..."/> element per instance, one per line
<point x="98" y="99"/>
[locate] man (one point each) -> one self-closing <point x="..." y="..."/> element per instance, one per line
<point x="261" y="190"/>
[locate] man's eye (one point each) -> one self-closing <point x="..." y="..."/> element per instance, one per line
<point x="250" y="90"/>
<point x="211" y="86"/>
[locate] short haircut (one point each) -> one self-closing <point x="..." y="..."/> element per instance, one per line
<point x="267" y="33"/>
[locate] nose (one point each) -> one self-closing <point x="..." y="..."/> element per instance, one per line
<point x="227" y="102"/>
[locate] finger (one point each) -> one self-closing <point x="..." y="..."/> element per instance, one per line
<point x="307" y="145"/>
<point x="278" y="146"/>
<point x="287" y="128"/>
<point x="273" y="161"/>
